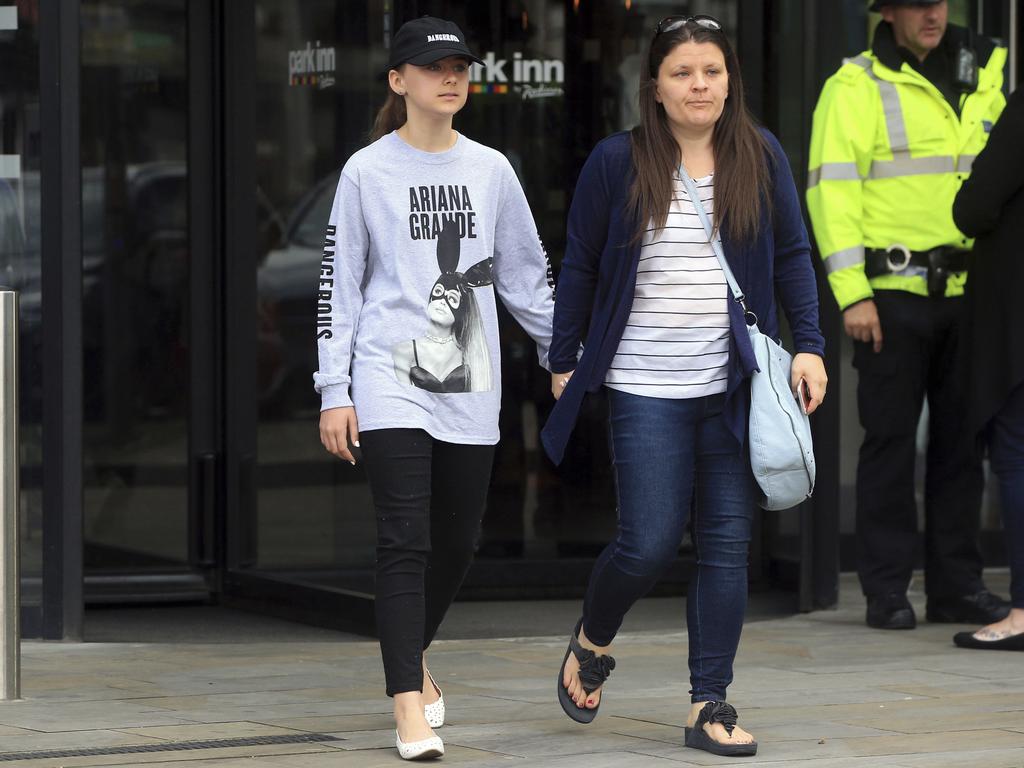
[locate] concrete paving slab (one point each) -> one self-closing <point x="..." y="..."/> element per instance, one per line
<point x="956" y="719"/>
<point x="281" y="761"/>
<point x="83" y="716"/>
<point x="259" y="713"/>
<point x="378" y="721"/>
<point x="819" y="690"/>
<point x="6" y="730"/>
<point x="781" y="731"/>
<point x="195" y="759"/>
<point x="34" y="741"/>
<point x="989" y="758"/>
<point x="205" y="732"/>
<point x="388" y="758"/>
<point x="606" y="760"/>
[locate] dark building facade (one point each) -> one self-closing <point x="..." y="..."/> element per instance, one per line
<point x="166" y="171"/>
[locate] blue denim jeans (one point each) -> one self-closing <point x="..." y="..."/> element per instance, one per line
<point x="1006" y="453"/>
<point x="676" y="462"/>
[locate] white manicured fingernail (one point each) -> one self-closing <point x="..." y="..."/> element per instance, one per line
<point x="352" y="463"/>
<point x="356" y="443"/>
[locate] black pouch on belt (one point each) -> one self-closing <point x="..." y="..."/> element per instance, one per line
<point x="937" y="274"/>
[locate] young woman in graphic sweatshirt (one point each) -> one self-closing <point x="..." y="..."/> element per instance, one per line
<point x="427" y="225"/>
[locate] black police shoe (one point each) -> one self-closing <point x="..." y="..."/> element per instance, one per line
<point x="982" y="607"/>
<point x="891" y="611"/>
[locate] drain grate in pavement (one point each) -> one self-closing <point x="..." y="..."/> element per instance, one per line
<point x="178" y="746"/>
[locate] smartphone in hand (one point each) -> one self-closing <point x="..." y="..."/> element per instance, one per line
<point x="803" y="394"/>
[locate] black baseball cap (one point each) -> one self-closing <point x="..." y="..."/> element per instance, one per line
<point x="427" y="39"/>
<point x="879" y="4"/>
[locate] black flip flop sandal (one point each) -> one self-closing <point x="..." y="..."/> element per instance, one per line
<point x="594" y="670"/>
<point x="717" y="712"/>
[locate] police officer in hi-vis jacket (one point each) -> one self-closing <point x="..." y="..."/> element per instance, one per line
<point x="895" y="132"/>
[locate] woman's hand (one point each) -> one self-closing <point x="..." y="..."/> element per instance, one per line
<point x="811" y="369"/>
<point x="338" y="430"/>
<point x="559" y="382"/>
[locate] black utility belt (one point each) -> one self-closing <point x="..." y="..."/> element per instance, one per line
<point x="940" y="263"/>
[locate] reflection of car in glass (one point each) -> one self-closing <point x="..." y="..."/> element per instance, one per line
<point x="135" y="291"/>
<point x="286" y="283"/>
<point x="134" y="285"/>
<point x="19" y="270"/>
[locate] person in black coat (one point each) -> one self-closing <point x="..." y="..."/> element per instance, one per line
<point x="990" y="207"/>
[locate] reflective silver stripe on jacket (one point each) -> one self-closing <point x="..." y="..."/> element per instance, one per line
<point x="833" y="172"/>
<point x="902" y="164"/>
<point x="894" y="124"/>
<point x="965" y="163"/>
<point x="848" y="257"/>
<point x="911" y="166"/>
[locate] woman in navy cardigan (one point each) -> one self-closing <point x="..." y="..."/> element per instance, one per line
<point x="641" y="290"/>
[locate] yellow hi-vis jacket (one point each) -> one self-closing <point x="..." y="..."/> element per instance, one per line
<point x="888" y="155"/>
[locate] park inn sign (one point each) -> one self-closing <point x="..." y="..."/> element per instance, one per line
<point x="312" y="65"/>
<point x="532" y="78"/>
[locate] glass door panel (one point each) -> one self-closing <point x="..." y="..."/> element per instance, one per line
<point x="315" y="92"/>
<point x="20" y="269"/>
<point x="136" y="266"/>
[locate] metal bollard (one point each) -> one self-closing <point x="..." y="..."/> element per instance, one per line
<point x="10" y="587"/>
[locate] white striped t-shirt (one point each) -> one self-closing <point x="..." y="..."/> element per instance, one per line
<point x="676" y="341"/>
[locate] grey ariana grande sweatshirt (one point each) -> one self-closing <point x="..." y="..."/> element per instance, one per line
<point x="417" y="245"/>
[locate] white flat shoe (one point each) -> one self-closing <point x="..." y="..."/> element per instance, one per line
<point x="434" y="712"/>
<point x="423" y="749"/>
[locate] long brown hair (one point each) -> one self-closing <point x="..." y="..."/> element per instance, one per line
<point x="742" y="185"/>
<point x="390" y="116"/>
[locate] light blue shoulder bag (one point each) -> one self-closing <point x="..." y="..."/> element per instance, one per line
<point x="781" y="452"/>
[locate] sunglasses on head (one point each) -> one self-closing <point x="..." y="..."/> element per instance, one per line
<point x="671" y="23"/>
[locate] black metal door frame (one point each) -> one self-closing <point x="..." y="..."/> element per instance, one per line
<point x="60" y="613"/>
<point x="811" y="558"/>
<point x="1003" y="19"/>
<point x="205" y="145"/>
<point x="64" y="585"/>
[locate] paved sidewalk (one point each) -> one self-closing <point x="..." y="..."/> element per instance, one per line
<point x="817" y="690"/>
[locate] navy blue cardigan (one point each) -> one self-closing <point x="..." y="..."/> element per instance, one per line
<point x="598" y="279"/>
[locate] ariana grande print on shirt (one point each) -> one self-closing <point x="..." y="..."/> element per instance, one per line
<point x="451" y="355"/>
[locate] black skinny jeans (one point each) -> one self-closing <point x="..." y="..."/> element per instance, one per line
<point x="429" y="498"/>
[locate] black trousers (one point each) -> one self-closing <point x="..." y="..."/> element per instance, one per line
<point x="429" y="498"/>
<point x="918" y="358"/>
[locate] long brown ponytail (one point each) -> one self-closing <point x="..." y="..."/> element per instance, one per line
<point x="742" y="179"/>
<point x="390" y="116"/>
